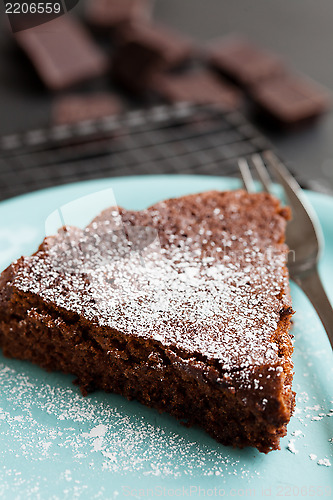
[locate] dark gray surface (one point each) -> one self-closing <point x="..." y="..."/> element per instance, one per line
<point x="301" y="30"/>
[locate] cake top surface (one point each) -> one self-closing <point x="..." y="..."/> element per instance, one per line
<point x="204" y="274"/>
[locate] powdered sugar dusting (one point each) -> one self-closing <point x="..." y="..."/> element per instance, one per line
<point x="311" y="419"/>
<point x="206" y="289"/>
<point x="325" y="462"/>
<point x="91" y="431"/>
<point x="291" y="446"/>
<point x="98" y="431"/>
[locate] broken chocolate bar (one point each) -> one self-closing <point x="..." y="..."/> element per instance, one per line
<point x="110" y="13"/>
<point x="200" y="87"/>
<point x="144" y="49"/>
<point x="75" y="108"/>
<point x="63" y="53"/>
<point x="242" y="61"/>
<point x="291" y="99"/>
<point x="172" y="48"/>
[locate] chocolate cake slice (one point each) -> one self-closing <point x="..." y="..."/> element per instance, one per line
<point x="184" y="306"/>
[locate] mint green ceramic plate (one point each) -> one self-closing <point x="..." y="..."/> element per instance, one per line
<point x="57" y="444"/>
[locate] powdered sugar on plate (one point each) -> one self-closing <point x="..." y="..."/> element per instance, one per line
<point x="313" y="410"/>
<point x="93" y="433"/>
<point x="325" y="462"/>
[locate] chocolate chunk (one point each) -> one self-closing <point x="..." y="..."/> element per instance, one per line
<point x="291" y="99"/>
<point x="75" y="108"/>
<point x="172" y="48"/>
<point x="145" y="48"/>
<point x="62" y="52"/>
<point x="200" y="87"/>
<point x="110" y="13"/>
<point x="243" y="62"/>
<point x="133" y="67"/>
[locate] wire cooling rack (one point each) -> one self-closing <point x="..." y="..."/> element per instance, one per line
<point x="177" y="139"/>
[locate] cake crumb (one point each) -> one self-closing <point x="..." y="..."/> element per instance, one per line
<point x="312" y="456"/>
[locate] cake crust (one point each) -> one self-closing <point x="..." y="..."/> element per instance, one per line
<point x="184" y="306"/>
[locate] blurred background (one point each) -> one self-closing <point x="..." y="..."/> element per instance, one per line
<point x="300" y="31"/>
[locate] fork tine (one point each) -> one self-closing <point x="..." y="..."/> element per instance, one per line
<point x="301" y="209"/>
<point x="246" y="175"/>
<point x="262" y="172"/>
<point x="304" y="236"/>
<point x="284" y="177"/>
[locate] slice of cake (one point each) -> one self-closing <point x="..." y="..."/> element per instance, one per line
<point x="184" y="306"/>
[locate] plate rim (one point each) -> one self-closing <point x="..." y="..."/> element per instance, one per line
<point x="134" y="178"/>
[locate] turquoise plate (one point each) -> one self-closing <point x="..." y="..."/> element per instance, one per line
<point x="57" y="444"/>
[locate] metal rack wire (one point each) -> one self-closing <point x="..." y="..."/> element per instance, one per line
<point x="177" y="139"/>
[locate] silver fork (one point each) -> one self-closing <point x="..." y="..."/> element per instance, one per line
<point x="303" y="234"/>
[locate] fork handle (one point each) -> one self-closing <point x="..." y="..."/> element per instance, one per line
<point x="312" y="286"/>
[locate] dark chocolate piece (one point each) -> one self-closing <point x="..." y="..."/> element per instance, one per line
<point x="200" y="87"/>
<point x="63" y="53"/>
<point x="75" y="108"/>
<point x="110" y="13"/>
<point x="144" y="49"/>
<point x="133" y="66"/>
<point x="242" y="61"/>
<point x="195" y="322"/>
<point x="291" y="99"/>
<point x="172" y="47"/>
